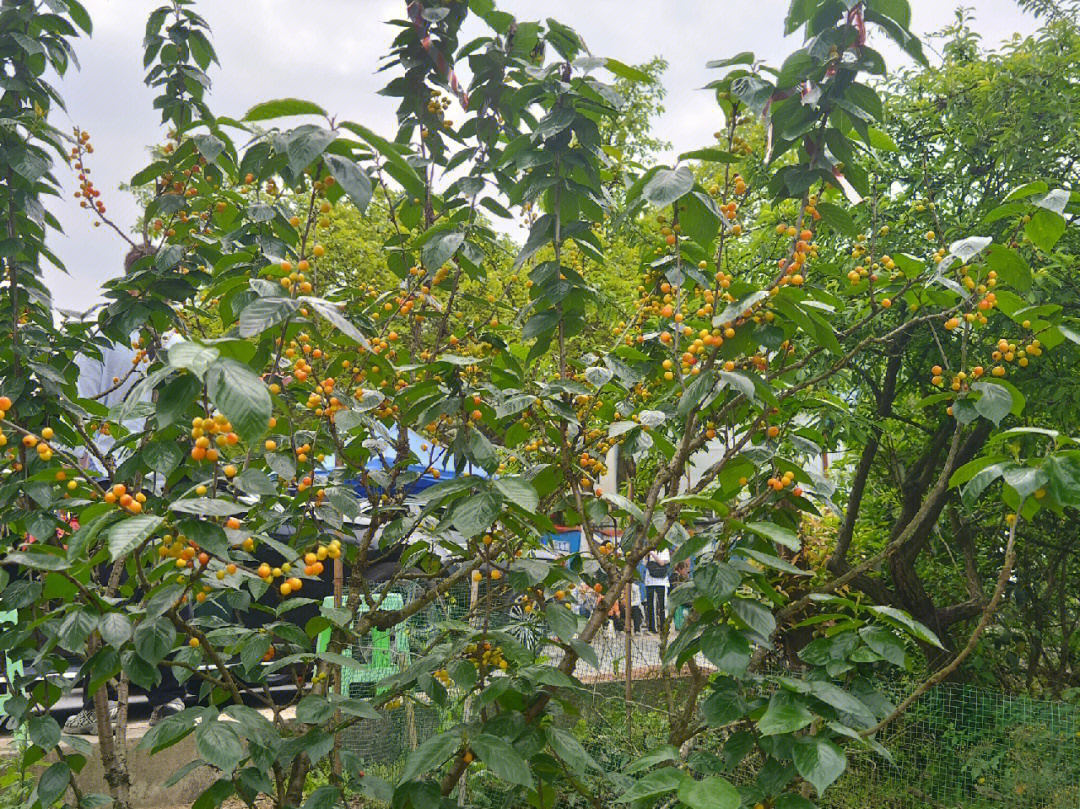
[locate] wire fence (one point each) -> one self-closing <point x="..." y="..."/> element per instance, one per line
<point x="957" y="747"/>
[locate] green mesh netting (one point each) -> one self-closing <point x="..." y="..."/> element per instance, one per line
<point x="957" y="747"/>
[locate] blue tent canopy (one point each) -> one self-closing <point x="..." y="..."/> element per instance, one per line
<point x="429" y="456"/>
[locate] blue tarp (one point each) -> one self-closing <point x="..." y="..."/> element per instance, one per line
<point x="429" y="456"/>
<point x="563" y="541"/>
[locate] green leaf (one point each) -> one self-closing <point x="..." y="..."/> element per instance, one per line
<point x="886" y="643"/>
<point x="192" y="356"/>
<point x="775" y="562"/>
<point x="561" y="620"/>
<point x="1063" y="474"/>
<point x="819" y="760"/>
<point x="53" y="783"/>
<point x="163" y="457"/>
<point x="723" y="706"/>
<point x="502" y="759"/>
<point x="352" y="179"/>
<point x="668" y="185"/>
<point x="518" y="491"/>
<point x="431" y="754"/>
<point x="717" y="581"/>
<point x="154" y="639"/>
<point x="283" y="108"/>
<point x="127" y="535"/>
<point x="474" y="515"/>
<point x="570" y="750"/>
<point x="207" y="507"/>
<point x="755" y="615"/>
<point x="1045" y="228"/>
<point x="314" y="709"/>
<point x="404" y="173"/>
<point x="1010" y="266"/>
<point x="209" y="146"/>
<point x="709" y="793"/>
<point x="624" y="71"/>
<point x="664" y="752"/>
<point x="219" y="745"/>
<point x="306" y="144"/>
<point x="44" y="731"/>
<point x="995" y="403"/>
<point x="173" y="400"/>
<point x="255" y="481"/>
<point x="262" y="313"/>
<point x="710" y="155"/>
<point x="899" y="617"/>
<point x="1025" y="480"/>
<point x="324" y="797"/>
<point x="330" y="311"/>
<point x="979" y="481"/>
<point x="80" y="17"/>
<point x="657" y="783"/>
<point x="726" y="648"/>
<point x="838" y="219"/>
<point x="241" y="395"/>
<point x="776" y="533"/>
<point x="786" y="713"/>
<point x="115" y="629"/>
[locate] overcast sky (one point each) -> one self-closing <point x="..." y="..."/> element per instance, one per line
<point x="328" y="51"/>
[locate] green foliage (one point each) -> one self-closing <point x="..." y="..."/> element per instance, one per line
<point x="708" y="331"/>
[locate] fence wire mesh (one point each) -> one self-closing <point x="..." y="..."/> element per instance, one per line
<point x="957" y="747"/>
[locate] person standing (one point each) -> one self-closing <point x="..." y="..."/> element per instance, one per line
<point x="657" y="582"/>
<point x="109" y="380"/>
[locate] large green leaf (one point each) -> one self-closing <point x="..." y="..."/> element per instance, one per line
<point x="717" y="581"/>
<point x="668" y="185"/>
<point x="755" y="615"/>
<point x="502" y="759"/>
<point x="838" y="219"/>
<point x="127" y="535"/>
<point x="786" y="713"/>
<point x="352" y="179"/>
<point x="439" y="249"/>
<point x="657" y="783"/>
<point x="1025" y="480"/>
<point x="306" y="144"/>
<point x="709" y="793"/>
<point x="995" y="403"/>
<point x="154" y="639"/>
<point x="283" y="108"/>
<point x="115" y="629"/>
<point x="776" y="533"/>
<point x="570" y="750"/>
<point x="474" y="515"/>
<point x="886" y="643"/>
<point x="53" y="783"/>
<point x="1063" y="474"/>
<point x="218" y="744"/>
<point x="819" y="760"/>
<point x="727" y="649"/>
<point x="262" y="313"/>
<point x="430" y="755"/>
<point x="518" y="491"/>
<point x="1010" y="266"/>
<point x="1045" y="228"/>
<point x="44" y="731"/>
<point x="899" y="618"/>
<point x="241" y="395"/>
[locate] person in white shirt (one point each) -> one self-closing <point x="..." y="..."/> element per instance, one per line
<point x="107" y="381"/>
<point x="657" y="582"/>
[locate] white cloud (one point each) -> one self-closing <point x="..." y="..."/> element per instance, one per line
<point x="329" y="50"/>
